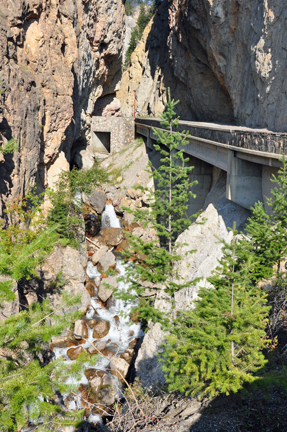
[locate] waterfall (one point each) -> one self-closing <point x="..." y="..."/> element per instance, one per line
<point x="109" y="218"/>
<point x="121" y="332"/>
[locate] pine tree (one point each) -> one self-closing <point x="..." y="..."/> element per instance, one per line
<point x="153" y="262"/>
<point x="216" y="347"/>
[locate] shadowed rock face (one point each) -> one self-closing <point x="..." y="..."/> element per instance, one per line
<point x="224" y="59"/>
<point x="56" y="59"/>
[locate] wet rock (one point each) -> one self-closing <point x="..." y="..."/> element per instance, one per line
<point x="105" y="293"/>
<point x="96" y="199"/>
<point x="90" y="372"/>
<point x="107" y="353"/>
<point x="73" y="353"/>
<point x="92" y="224"/>
<point x="119" y="367"/>
<point x="81" y="329"/>
<point x="101" y="329"/>
<point x="112" y="236"/>
<point x="99" y="254"/>
<point x="111" y="302"/>
<point x="62" y="341"/>
<point x="92" y="323"/>
<point x="107" y="261"/>
<point x="132" y="344"/>
<point x="91" y="288"/>
<point x="127" y="355"/>
<point x="100" y="346"/>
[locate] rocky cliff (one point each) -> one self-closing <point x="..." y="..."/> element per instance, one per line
<point x="224" y="60"/>
<point x="56" y="58"/>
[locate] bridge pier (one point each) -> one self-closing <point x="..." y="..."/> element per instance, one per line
<point x="244" y="181"/>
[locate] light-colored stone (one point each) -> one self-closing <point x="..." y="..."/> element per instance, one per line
<point x="119" y="367"/>
<point x="112" y="236"/>
<point x="147" y="366"/>
<point x="96" y="199"/>
<point x="99" y="254"/>
<point x="107" y="261"/>
<point x="95" y="384"/>
<point x="70" y="262"/>
<point x="81" y="329"/>
<point x="103" y="292"/>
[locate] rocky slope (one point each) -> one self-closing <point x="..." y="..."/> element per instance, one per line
<point x="56" y="58"/>
<point x="224" y="60"/>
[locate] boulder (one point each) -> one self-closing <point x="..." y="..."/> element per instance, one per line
<point x="147" y="366"/>
<point x="91" y="288"/>
<point x="73" y="353"/>
<point x="65" y="341"/>
<point x="98" y="346"/>
<point x="92" y="224"/>
<point x="99" y="254"/>
<point x="107" y="395"/>
<point x="119" y="367"/>
<point x="95" y="384"/>
<point x="101" y="329"/>
<point x="81" y="329"/>
<point x="83" y="159"/>
<point x="112" y="236"/>
<point x="107" y="261"/>
<point x="92" y="323"/>
<point x="103" y="292"/>
<point x="96" y="199"/>
<point x="70" y="263"/>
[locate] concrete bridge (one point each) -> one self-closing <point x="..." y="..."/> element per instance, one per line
<point x="248" y="156"/>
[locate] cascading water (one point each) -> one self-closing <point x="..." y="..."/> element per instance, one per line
<point x="109" y="218"/>
<point x="121" y="333"/>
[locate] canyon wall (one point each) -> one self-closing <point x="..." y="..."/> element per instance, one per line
<point x="225" y="60"/>
<point x="57" y="57"/>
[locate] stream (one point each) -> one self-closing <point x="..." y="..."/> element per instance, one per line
<point x="121" y="334"/>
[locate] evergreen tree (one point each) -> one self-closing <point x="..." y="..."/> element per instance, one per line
<point x="216" y="347"/>
<point x="144" y="17"/>
<point x="153" y="262"/>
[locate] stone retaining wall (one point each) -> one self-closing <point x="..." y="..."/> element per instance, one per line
<point x="120" y="128"/>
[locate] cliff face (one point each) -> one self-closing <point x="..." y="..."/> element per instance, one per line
<point x="224" y="59"/>
<point x="56" y="58"/>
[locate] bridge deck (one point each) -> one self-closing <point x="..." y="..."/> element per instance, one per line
<point x="258" y="140"/>
<point x="250" y="157"/>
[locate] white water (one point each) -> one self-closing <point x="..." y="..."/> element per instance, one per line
<point x="109" y="218"/>
<point x="121" y="332"/>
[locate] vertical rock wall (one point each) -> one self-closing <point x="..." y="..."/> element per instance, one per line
<point x="56" y="58"/>
<point x="224" y="59"/>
